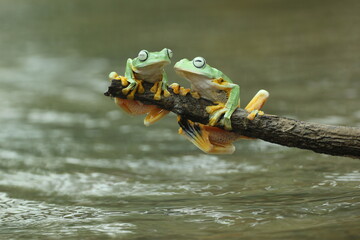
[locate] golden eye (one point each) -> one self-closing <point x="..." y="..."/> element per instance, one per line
<point x="199" y="62"/>
<point x="143" y="55"/>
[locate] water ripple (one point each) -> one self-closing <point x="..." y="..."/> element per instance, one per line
<point x="24" y="215"/>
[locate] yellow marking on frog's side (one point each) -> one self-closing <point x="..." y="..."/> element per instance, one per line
<point x="223" y="85"/>
<point x="220" y="81"/>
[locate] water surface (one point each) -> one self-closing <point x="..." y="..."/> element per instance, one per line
<point x="72" y="165"/>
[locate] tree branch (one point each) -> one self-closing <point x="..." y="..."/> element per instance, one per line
<point x="320" y="138"/>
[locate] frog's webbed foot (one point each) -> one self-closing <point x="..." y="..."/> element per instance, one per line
<point x="183" y="91"/>
<point x="253" y="114"/>
<point x="210" y="140"/>
<point x="175" y="87"/>
<point x="216" y="111"/>
<point x="155" y="115"/>
<point x="131" y="86"/>
<point x="256" y="104"/>
<point x="137" y="89"/>
<point x="158" y="88"/>
<point x="114" y="75"/>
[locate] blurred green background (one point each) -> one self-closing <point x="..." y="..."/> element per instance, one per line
<point x="72" y="165"/>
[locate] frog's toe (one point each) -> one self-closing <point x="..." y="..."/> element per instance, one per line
<point x="195" y="95"/>
<point x="195" y="134"/>
<point x="251" y="116"/>
<point x="210" y="140"/>
<point x="157" y="95"/>
<point x="213" y="108"/>
<point x="113" y="75"/>
<point x="123" y="80"/>
<point x="155" y="87"/>
<point x="131" y="94"/>
<point x="175" y="87"/>
<point x="214" y="117"/>
<point x="129" y="88"/>
<point x="125" y="91"/>
<point x="155" y="115"/>
<point x="140" y="87"/>
<point x="166" y="93"/>
<point x="184" y="91"/>
<point x="258" y="101"/>
<point x="158" y="89"/>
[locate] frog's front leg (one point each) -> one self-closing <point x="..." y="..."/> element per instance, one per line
<point x="160" y="87"/>
<point x="233" y="102"/>
<point x="129" y="74"/>
<point x="164" y="84"/>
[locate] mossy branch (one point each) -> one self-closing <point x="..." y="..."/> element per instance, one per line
<point x="320" y="138"/>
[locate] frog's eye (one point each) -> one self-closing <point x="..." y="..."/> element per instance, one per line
<point x="199" y="62"/>
<point x="169" y="53"/>
<point x="143" y="55"/>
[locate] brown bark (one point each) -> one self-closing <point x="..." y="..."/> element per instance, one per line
<point x="320" y="138"/>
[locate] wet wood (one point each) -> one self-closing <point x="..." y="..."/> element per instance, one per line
<point x="320" y="138"/>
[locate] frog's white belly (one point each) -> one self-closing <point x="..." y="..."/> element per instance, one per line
<point x="207" y="90"/>
<point x="151" y="73"/>
<point x="152" y="77"/>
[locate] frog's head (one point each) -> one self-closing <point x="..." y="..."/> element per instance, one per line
<point x="152" y="60"/>
<point x="195" y="69"/>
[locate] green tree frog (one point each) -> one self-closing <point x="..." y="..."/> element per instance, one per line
<point x="210" y="83"/>
<point x="149" y="67"/>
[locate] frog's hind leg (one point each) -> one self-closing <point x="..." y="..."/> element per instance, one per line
<point x="132" y="107"/>
<point x="194" y="133"/>
<point x="155" y="115"/>
<point x="256" y="103"/>
<point x="204" y="138"/>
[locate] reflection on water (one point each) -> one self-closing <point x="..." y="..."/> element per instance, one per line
<point x="73" y="165"/>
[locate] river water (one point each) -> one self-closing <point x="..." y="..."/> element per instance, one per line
<point x="74" y="166"/>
